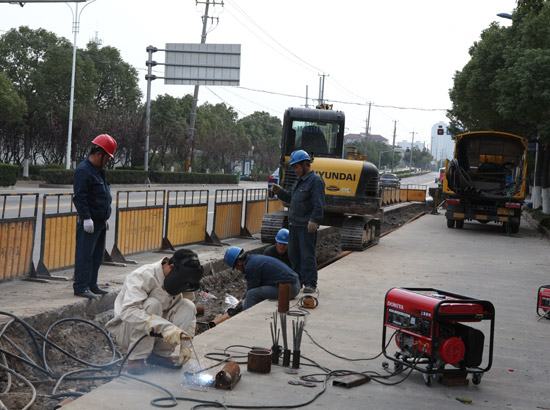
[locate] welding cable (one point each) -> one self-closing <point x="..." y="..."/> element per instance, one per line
<point x="346" y="358"/>
<point x="157" y="402"/>
<point x="41" y="352"/>
<point x="33" y="334"/>
<point x="87" y="322"/>
<point x="411" y="367"/>
<point x="8" y="381"/>
<point x="26" y="381"/>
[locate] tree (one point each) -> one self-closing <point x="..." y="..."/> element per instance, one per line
<point x="221" y="139"/>
<point x="113" y="105"/>
<point x="505" y="85"/>
<point x="264" y="132"/>
<point x="12" y="113"/>
<point x="168" y="131"/>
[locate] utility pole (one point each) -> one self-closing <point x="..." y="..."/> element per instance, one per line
<point x="393" y="144"/>
<point x="412" y="146"/>
<point x="367" y="126"/>
<point x="307" y="96"/>
<point x="205" y="18"/>
<point x="322" y="88"/>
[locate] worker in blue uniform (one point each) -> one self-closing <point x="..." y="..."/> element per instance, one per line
<point x="263" y="275"/>
<point x="279" y="249"/>
<point x="92" y="199"/>
<point x="307" y="199"/>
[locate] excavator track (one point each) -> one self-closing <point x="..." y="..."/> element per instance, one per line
<point x="359" y="233"/>
<point x="271" y="224"/>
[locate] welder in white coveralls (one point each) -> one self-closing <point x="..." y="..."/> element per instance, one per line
<point x="157" y="299"/>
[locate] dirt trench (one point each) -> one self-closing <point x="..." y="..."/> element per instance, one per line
<point x="90" y="345"/>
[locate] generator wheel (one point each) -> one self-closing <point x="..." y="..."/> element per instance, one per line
<point x="428" y="378"/>
<point x="450" y="223"/>
<point x="271" y="224"/>
<point x="476" y="378"/>
<point x="459" y="223"/>
<point x="359" y="233"/>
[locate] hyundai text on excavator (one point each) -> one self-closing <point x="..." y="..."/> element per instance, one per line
<point x="351" y="185"/>
<point x="486" y="179"/>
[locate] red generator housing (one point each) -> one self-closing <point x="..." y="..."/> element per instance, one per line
<point x="430" y="333"/>
<point x="543" y="301"/>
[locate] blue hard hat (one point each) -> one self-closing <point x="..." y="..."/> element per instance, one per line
<point x="231" y="255"/>
<point x="299" y="156"/>
<point x="282" y="236"/>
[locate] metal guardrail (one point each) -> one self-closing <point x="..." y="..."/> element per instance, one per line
<point x="17" y="234"/>
<point x="186" y="218"/>
<point x="138" y="227"/>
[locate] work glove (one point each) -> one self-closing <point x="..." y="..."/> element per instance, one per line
<point x="276" y="189"/>
<point x="174" y="335"/>
<point x="88" y="226"/>
<point x="312" y="226"/>
<point x="185" y="355"/>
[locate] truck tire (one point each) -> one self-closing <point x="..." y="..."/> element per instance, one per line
<point x="459" y="223"/>
<point x="450" y="223"/>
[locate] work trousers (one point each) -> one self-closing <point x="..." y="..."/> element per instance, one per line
<point x="256" y="295"/>
<point x="301" y="251"/>
<point x="90" y="248"/>
<point x="183" y="314"/>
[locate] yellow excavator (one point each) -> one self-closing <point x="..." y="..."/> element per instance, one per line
<point x="352" y="200"/>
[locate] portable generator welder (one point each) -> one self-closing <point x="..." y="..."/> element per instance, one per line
<point x="543" y="301"/>
<point x="430" y="334"/>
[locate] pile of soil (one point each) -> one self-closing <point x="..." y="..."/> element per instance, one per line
<point x="88" y="344"/>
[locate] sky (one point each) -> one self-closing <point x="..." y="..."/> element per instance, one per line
<point x="398" y="55"/>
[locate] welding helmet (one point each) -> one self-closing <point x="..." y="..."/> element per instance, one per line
<point x="186" y="274"/>
<point x="106" y="142"/>
<point x="282" y="236"/>
<point x="299" y="156"/>
<point x="232" y="254"/>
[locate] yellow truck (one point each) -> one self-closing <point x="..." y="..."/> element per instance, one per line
<point x="486" y="179"/>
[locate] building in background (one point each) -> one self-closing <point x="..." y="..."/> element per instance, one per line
<point x="407" y="144"/>
<point x="442" y="144"/>
<point x="350" y="138"/>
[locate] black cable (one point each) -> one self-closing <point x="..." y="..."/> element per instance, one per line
<point x="346" y="358"/>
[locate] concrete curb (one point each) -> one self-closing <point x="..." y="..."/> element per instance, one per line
<point x="535" y="223"/>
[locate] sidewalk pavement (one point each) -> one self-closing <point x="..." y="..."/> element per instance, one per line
<point x="478" y="261"/>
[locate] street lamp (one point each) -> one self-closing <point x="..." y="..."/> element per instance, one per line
<point x="505" y="15"/>
<point x="76" y="24"/>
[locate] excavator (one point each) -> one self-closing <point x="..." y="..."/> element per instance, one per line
<point x="352" y="200"/>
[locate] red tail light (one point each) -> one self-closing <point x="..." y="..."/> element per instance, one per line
<point x="452" y="201"/>
<point x="512" y="205"/>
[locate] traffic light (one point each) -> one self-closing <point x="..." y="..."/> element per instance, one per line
<point x="440" y="131"/>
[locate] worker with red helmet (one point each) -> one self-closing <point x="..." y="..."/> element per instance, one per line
<point x="92" y="199"/>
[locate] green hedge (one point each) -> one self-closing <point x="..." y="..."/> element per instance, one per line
<point x="115" y="176"/>
<point x="57" y="176"/>
<point x="159" y="177"/>
<point x="65" y="177"/>
<point x="8" y="174"/>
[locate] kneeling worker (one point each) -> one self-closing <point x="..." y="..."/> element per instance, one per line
<point x="158" y="299"/>
<point x="280" y="249"/>
<point x="263" y="275"/>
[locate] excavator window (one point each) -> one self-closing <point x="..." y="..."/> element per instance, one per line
<point x="315" y="138"/>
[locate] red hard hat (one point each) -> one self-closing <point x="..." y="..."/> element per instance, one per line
<point x="106" y="142"/>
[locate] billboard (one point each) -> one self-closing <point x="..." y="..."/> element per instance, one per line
<point x="22" y="3"/>
<point x="202" y="64"/>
